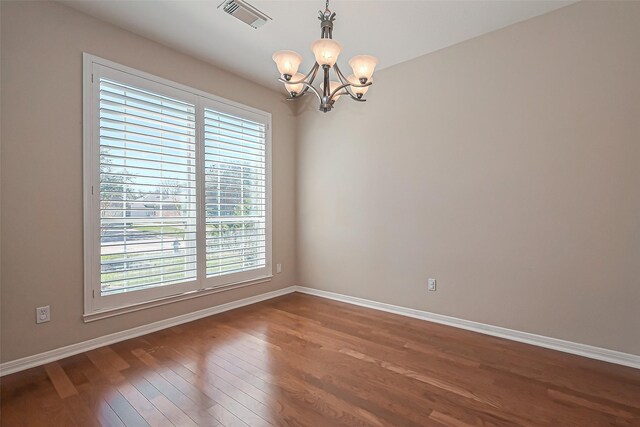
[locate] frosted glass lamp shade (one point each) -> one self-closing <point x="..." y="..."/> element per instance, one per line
<point x="358" y="90"/>
<point x="363" y="66"/>
<point x="287" y="61"/>
<point x="297" y="87"/>
<point x="332" y="86"/>
<point x="326" y="51"/>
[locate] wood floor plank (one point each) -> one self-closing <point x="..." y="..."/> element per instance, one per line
<point x="102" y="395"/>
<point x="82" y="413"/>
<point x="172" y="412"/>
<point x="221" y="397"/>
<point x="339" y="375"/>
<point x="60" y="380"/>
<point x="95" y="402"/>
<point x="304" y="361"/>
<point x="142" y="405"/>
<point x="316" y="372"/>
<point x="291" y="381"/>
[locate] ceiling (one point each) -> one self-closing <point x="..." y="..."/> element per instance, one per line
<point x="394" y="31"/>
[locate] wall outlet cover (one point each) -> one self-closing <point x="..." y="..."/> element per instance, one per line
<point x="43" y="314"/>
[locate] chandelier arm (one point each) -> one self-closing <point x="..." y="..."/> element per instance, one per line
<point x="356" y="98"/>
<point x="341" y="76"/>
<point x="349" y="85"/>
<point x="313" y="73"/>
<point x="344" y="80"/>
<point x="309" y="86"/>
<point x="364" y="85"/>
<point x="347" y="93"/>
<point x="343" y="86"/>
<point x="351" y="95"/>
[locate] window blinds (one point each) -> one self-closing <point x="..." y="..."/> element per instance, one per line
<point x="176" y="190"/>
<point x="235" y="193"/>
<point x="147" y="191"/>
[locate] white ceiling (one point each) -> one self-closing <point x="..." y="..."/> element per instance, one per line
<point x="394" y="31"/>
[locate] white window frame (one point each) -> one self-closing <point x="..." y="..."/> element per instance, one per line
<point x="97" y="306"/>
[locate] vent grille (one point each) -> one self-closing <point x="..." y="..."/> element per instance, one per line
<point x="231" y="7"/>
<point x="245" y="13"/>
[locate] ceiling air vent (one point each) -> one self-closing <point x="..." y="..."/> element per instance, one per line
<point x="245" y="12"/>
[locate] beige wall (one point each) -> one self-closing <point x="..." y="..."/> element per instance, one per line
<point x="41" y="170"/>
<point x="508" y="171"/>
<point x="507" y="167"/>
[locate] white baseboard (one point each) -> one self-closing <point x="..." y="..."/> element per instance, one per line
<point x="592" y="352"/>
<point x="538" y="340"/>
<point x="70" y="350"/>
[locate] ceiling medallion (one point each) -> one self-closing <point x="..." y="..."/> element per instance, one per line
<point x="326" y="51"/>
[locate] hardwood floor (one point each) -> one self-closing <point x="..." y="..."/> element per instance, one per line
<point x="300" y="360"/>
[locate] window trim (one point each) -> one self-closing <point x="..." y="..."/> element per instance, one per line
<point x="95" y="306"/>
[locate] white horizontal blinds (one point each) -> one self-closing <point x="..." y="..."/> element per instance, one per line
<point x="235" y="193"/>
<point x="147" y="189"/>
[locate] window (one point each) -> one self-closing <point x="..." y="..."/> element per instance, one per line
<point x="177" y="199"/>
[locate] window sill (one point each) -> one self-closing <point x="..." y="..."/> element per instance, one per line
<point x="111" y="312"/>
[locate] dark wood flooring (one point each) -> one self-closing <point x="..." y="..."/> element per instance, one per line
<point x="300" y="360"/>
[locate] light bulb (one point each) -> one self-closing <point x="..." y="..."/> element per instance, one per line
<point x="296" y="87"/>
<point x="287" y="61"/>
<point x="363" y="66"/>
<point x="358" y="90"/>
<point x="326" y="51"/>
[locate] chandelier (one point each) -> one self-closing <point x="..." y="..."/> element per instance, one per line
<point x="326" y="51"/>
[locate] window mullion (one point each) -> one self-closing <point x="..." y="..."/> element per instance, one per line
<point x="201" y="229"/>
<point x="95" y="193"/>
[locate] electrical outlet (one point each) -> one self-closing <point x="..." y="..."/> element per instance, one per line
<point x="43" y="314"/>
<point x="431" y="284"/>
<point x="278" y="268"/>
